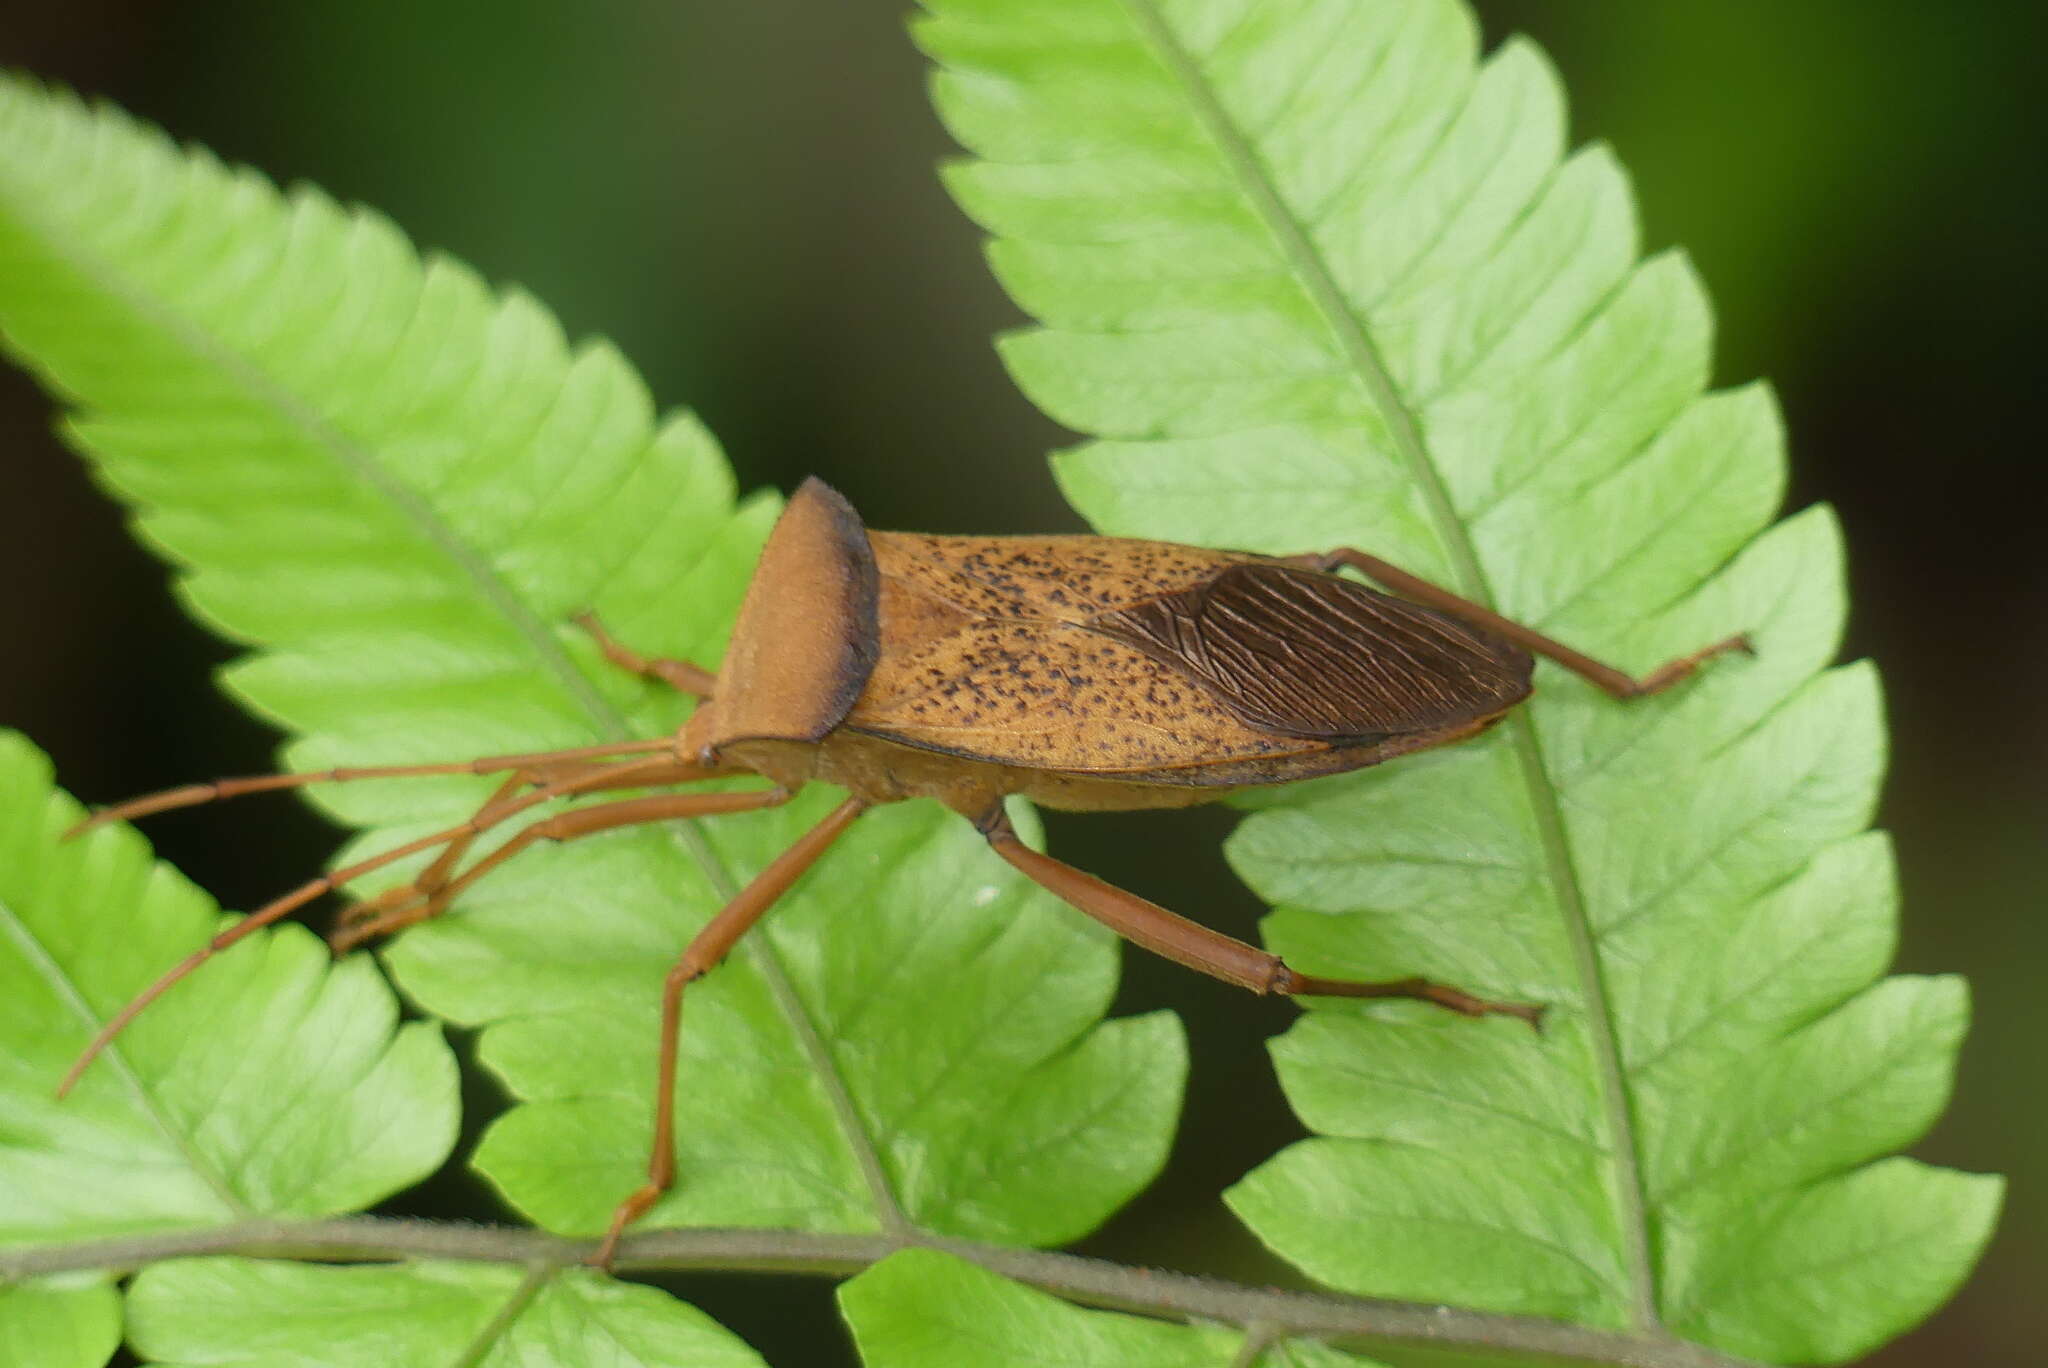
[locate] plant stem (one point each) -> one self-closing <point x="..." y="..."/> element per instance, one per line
<point x="1358" y="1321"/>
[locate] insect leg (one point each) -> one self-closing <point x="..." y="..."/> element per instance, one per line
<point x="191" y="795"/>
<point x="661" y="769"/>
<point x="430" y="880"/>
<point x="680" y="675"/>
<point x="432" y="901"/>
<point x="699" y="958"/>
<point x="1189" y="943"/>
<point x="1435" y="596"/>
<point x="394" y="902"/>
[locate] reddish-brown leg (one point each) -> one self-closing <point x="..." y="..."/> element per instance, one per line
<point x="699" y="958"/>
<point x="1435" y="596"/>
<point x="396" y="907"/>
<point x="564" y="826"/>
<point x="680" y="675"/>
<point x="1210" y="952"/>
<point x="555" y="778"/>
<point x="191" y="795"/>
<point x="428" y="882"/>
<point x="633" y="774"/>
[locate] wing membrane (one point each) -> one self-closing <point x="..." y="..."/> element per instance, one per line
<point x="1308" y="654"/>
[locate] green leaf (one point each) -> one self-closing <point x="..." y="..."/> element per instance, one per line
<point x="53" y="1326"/>
<point x="923" y="1309"/>
<point x="279" y="1084"/>
<point x="398" y="486"/>
<point x="220" y="1312"/>
<point x="1313" y="275"/>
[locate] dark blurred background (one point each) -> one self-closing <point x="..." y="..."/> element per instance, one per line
<point x="742" y="197"/>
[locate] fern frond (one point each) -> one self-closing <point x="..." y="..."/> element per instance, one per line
<point x="1313" y="275"/>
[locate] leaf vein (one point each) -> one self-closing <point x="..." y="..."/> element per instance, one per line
<point x="68" y="992"/>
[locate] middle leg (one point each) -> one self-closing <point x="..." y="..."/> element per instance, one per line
<point x="705" y="951"/>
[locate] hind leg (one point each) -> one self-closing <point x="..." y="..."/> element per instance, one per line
<point x="1605" y="677"/>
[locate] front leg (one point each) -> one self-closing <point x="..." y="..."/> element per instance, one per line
<point x="679" y="675"/>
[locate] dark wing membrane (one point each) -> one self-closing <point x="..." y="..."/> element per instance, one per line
<point x="1305" y="654"/>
